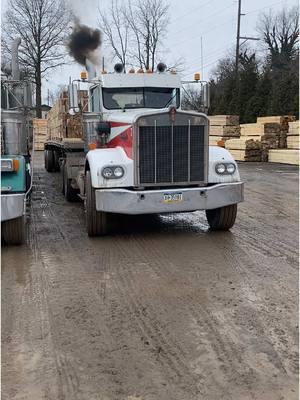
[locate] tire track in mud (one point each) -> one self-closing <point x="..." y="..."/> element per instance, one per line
<point x="63" y="364"/>
<point x="225" y="352"/>
<point x="225" y="349"/>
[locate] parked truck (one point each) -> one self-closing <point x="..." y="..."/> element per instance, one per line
<point x="140" y="153"/>
<point x="16" y="145"/>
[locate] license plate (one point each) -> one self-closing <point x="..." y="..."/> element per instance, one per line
<point x="172" y="197"/>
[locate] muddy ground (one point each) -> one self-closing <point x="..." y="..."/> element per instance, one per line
<point x="163" y="310"/>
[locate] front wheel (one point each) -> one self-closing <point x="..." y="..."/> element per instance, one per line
<point x="98" y="222"/>
<point x="49" y="160"/>
<point x="13" y="231"/>
<point x="223" y="218"/>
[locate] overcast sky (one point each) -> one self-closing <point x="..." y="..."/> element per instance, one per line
<point x="213" y="20"/>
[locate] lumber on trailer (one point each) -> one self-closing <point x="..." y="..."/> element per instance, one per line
<point x="224" y="120"/>
<point x="63" y="125"/>
<point x="284" y="156"/>
<point x="39" y="126"/>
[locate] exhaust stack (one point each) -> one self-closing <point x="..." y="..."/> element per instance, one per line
<point x="15" y="60"/>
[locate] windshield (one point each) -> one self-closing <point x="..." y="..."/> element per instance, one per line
<point x="139" y="98"/>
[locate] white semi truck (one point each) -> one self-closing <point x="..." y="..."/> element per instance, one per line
<point x="140" y="153"/>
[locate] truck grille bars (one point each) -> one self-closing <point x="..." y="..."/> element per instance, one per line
<point x="171" y="154"/>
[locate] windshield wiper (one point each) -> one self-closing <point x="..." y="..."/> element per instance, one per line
<point x="169" y="101"/>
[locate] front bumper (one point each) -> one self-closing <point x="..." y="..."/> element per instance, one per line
<point x="124" y="201"/>
<point x="12" y="206"/>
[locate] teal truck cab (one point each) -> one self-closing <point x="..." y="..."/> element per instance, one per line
<point x="16" y="145"/>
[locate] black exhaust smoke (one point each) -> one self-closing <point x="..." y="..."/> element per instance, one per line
<point x="83" y="42"/>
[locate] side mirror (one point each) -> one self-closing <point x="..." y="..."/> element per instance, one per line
<point x="73" y="97"/>
<point x="103" y="132"/>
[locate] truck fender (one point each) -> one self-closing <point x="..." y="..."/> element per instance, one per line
<point x="99" y="158"/>
<point x="218" y="155"/>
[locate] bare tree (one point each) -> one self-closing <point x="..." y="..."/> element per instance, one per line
<point x="148" y="20"/>
<point x="115" y="27"/>
<point x="280" y="34"/>
<point x="42" y="26"/>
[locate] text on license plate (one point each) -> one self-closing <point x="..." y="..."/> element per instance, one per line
<point x="172" y="197"/>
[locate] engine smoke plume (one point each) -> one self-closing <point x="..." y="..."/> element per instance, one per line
<point x="83" y="43"/>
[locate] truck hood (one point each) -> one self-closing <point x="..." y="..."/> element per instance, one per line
<point x="130" y="116"/>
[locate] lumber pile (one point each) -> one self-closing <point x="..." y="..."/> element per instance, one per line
<point x="244" y="149"/>
<point x="284" y="156"/>
<point x="293" y="136"/>
<point x="282" y="120"/>
<point x="39" y="133"/>
<point x="290" y="155"/>
<point x="223" y="128"/>
<point x="61" y="124"/>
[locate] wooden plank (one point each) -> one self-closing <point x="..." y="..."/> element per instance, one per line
<point x="224" y="130"/>
<point x="251" y="129"/>
<point x="60" y="123"/>
<point x="286" y="156"/>
<point x="222" y="120"/>
<point x="243" y="143"/>
<point x="246" y="155"/>
<point x="293" y="142"/>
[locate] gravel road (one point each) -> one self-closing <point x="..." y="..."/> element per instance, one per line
<point x="162" y="310"/>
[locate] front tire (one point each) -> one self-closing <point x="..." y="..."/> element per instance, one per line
<point x="98" y="223"/>
<point x="13" y="231"/>
<point x="223" y="218"/>
<point x="49" y="160"/>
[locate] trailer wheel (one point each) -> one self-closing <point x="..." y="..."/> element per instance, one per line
<point x="98" y="222"/>
<point x="69" y="192"/>
<point x="49" y="160"/>
<point x="13" y="231"/>
<point x="222" y="219"/>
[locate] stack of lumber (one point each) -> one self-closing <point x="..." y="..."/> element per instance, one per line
<point x="61" y="124"/>
<point x="39" y="133"/>
<point x="291" y="154"/>
<point x="293" y="135"/>
<point x="274" y="137"/>
<point x="244" y="149"/>
<point x="223" y="128"/>
<point x="284" y="156"/>
<point x="282" y="120"/>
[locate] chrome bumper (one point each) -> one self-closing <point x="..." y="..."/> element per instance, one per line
<point x="12" y="206"/>
<point x="124" y="201"/>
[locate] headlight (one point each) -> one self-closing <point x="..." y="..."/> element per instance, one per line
<point x="107" y="173"/>
<point x="225" y="168"/>
<point x="220" y="169"/>
<point x="7" y="165"/>
<point x="230" y="168"/>
<point x="114" y="172"/>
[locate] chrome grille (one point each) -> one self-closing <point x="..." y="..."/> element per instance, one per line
<point x="171" y="154"/>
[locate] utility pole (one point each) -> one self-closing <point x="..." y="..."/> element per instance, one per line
<point x="237" y="53"/>
<point x="239" y="37"/>
<point x="202" y="72"/>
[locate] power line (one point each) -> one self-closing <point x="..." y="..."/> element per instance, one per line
<point x="192" y="11"/>
<point x="202" y="20"/>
